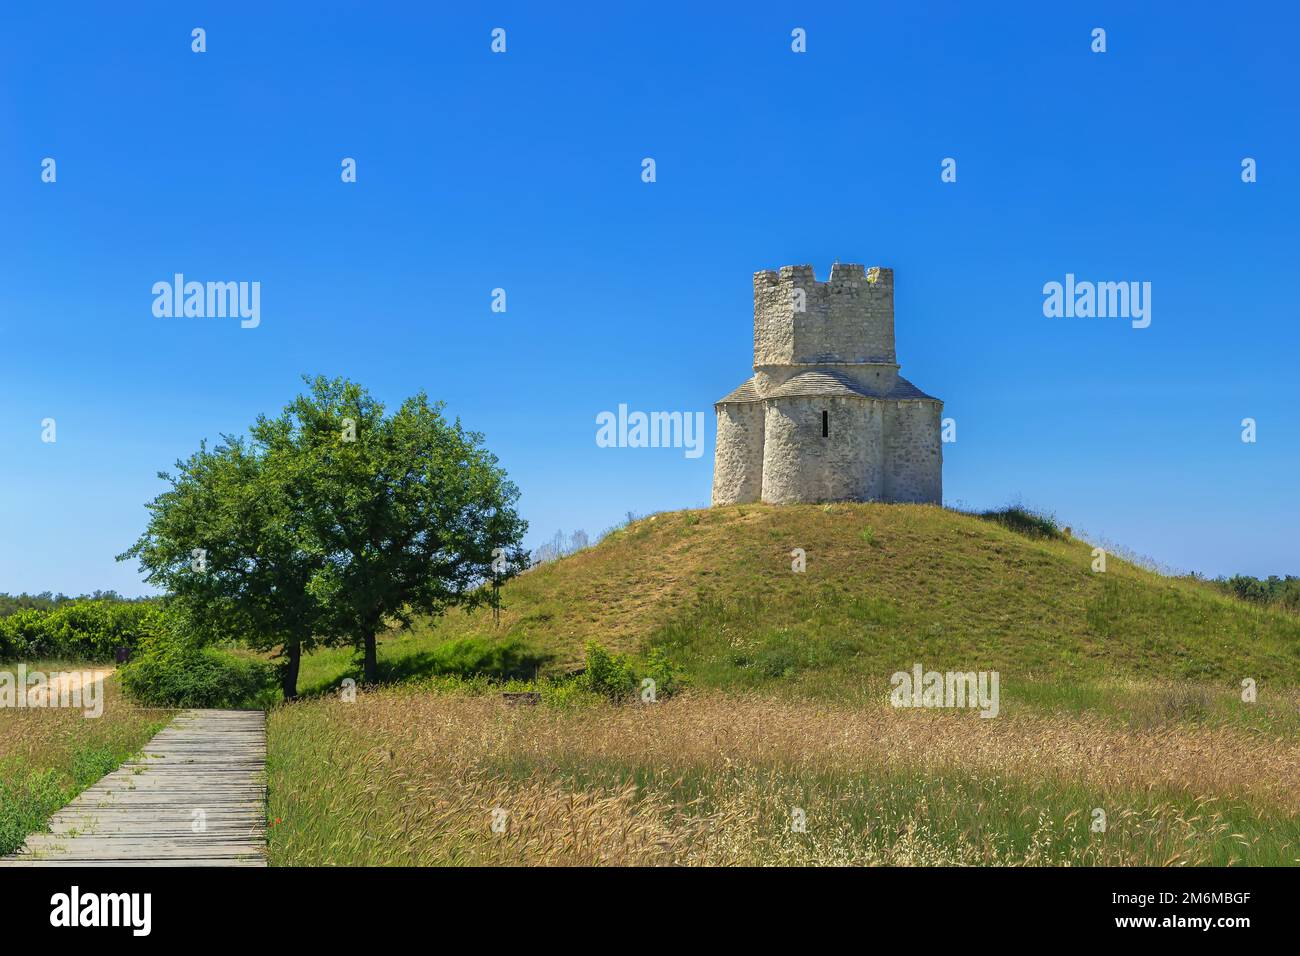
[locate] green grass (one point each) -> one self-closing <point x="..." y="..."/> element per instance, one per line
<point x="885" y="586"/>
<point x="407" y="656"/>
<point x="1033" y="524"/>
<point x="49" y="755"/>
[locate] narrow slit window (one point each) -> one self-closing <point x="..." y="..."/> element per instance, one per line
<point x="826" y="424"/>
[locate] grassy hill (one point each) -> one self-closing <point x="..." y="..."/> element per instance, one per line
<point x="1119" y="696"/>
<point x="885" y="586"/>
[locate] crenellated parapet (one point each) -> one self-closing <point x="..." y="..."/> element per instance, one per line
<point x="849" y="319"/>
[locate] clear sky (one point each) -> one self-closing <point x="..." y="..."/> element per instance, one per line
<point x="522" y="171"/>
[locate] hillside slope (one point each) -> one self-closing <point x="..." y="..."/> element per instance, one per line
<point x="886" y="586"/>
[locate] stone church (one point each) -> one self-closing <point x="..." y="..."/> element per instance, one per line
<point x="826" y="416"/>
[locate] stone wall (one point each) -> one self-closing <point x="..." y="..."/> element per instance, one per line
<point x="738" y="456"/>
<point x="773" y="315"/>
<point x="913" y="452"/>
<point x="849" y="318"/>
<point x="800" y="465"/>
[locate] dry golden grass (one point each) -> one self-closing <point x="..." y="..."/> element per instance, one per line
<point x="404" y="778"/>
<point x="47" y="736"/>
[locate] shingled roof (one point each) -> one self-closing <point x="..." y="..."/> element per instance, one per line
<point x="746" y="393"/>
<point x="816" y="382"/>
<point x="905" y="389"/>
<point x="824" y="382"/>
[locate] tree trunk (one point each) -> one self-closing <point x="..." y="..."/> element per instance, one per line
<point x="372" y="663"/>
<point x="289" y="670"/>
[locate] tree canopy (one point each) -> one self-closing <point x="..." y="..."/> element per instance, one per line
<point x="329" y="521"/>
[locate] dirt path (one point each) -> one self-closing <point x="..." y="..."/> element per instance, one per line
<point x="65" y="684"/>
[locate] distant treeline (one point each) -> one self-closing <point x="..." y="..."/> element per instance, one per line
<point x="1272" y="591"/>
<point x="563" y="545"/>
<point x="48" y="601"/>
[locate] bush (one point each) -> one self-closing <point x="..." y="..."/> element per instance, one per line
<point x="1272" y="591"/>
<point x="171" y="672"/>
<point x="13" y="603"/>
<point x="617" y="677"/>
<point x="96" y="630"/>
<point x="92" y="630"/>
<point x="668" y="679"/>
<point x="21" y="633"/>
<point x="1032" y="524"/>
<point x="609" y="675"/>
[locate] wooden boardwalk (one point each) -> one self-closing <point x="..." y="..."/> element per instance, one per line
<point x="196" y="797"/>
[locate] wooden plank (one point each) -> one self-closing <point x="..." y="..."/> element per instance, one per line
<point x="144" y="812"/>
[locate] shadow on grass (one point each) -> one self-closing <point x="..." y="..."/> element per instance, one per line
<point x="467" y="657"/>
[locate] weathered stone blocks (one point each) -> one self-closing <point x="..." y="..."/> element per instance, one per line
<point x="826" y="416"/>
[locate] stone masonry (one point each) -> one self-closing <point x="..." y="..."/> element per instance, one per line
<point x="826" y="416"/>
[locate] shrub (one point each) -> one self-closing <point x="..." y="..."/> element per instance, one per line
<point x="21" y="634"/>
<point x="91" y="630"/>
<point x="95" y="630"/>
<point x="13" y="603"/>
<point x="1272" y="591"/>
<point x="667" y="677"/>
<point x="172" y="672"/>
<point x="1032" y="524"/>
<point x="618" y="677"/>
<point x="609" y="675"/>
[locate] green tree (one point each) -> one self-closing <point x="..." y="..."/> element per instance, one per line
<point x="226" y="542"/>
<point x="331" y="520"/>
<point x="410" y="513"/>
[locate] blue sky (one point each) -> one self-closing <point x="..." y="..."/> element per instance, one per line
<point x="522" y="171"/>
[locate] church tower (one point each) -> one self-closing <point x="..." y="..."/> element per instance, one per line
<point x="826" y="416"/>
